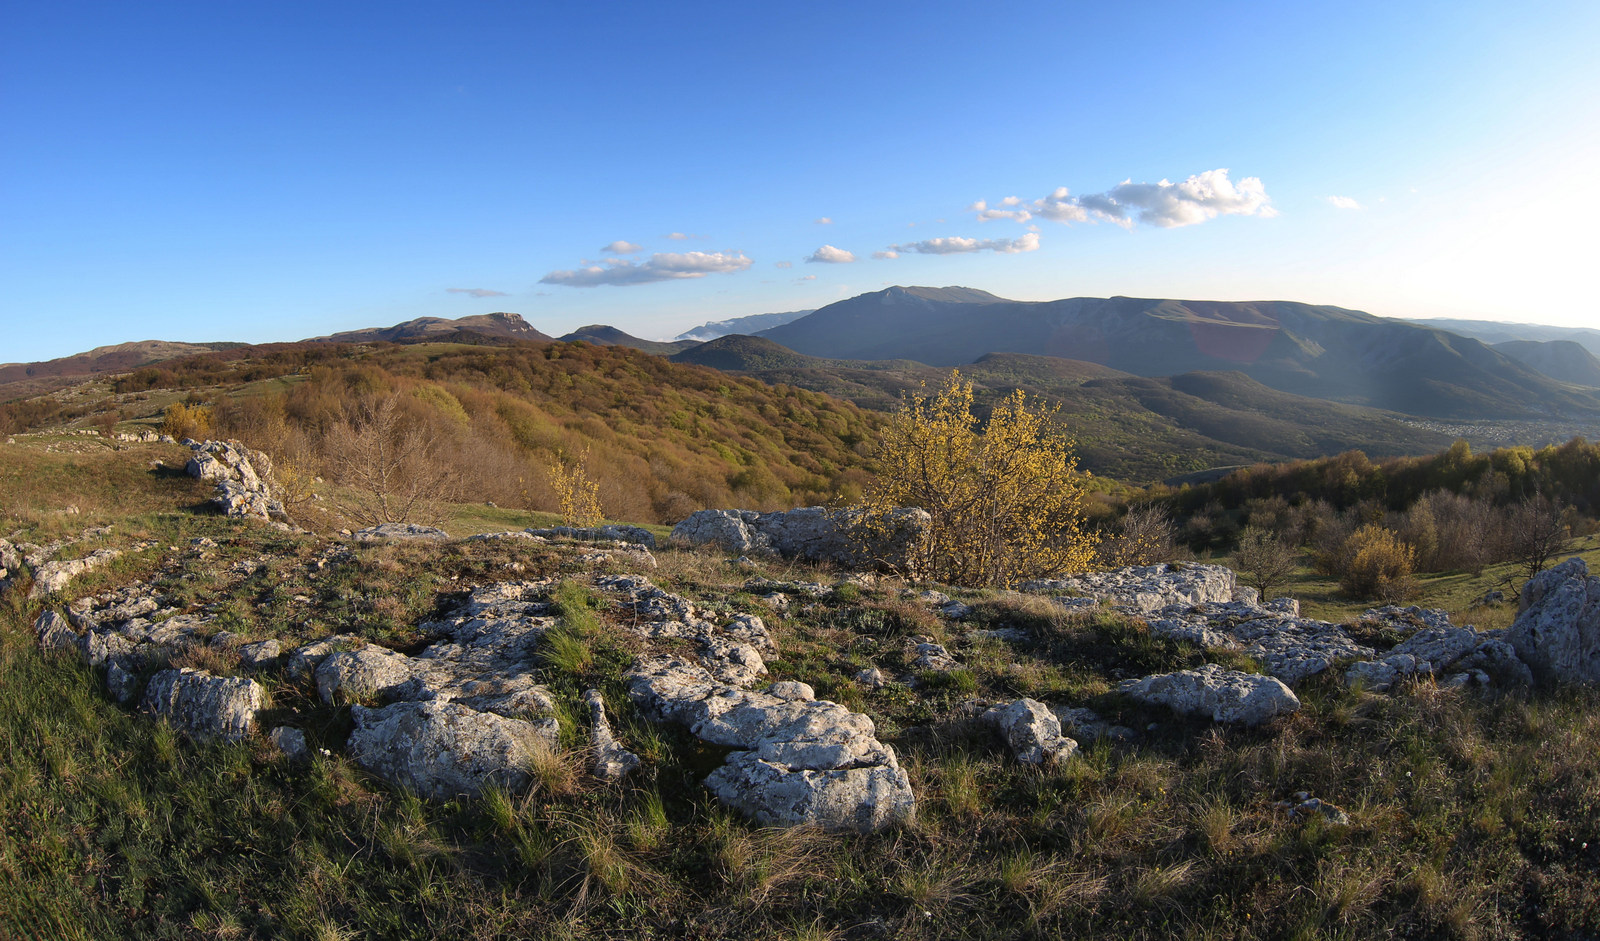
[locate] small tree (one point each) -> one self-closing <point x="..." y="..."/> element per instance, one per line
<point x="187" y="421"/>
<point x="1006" y="502"/>
<point x="1536" y="531"/>
<point x="390" y="465"/>
<point x="1377" y="565"/>
<point x="1145" y="535"/>
<point x="577" y="495"/>
<point x="1263" y="559"/>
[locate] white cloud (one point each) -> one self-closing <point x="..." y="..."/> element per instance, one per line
<point x="682" y="236"/>
<point x="825" y="220"/>
<point x="1343" y="202"/>
<point x="985" y="214"/>
<point x="662" y="266"/>
<point x="476" y="292"/>
<point x="783" y="264"/>
<point x="1165" y="204"/>
<point x="809" y="277"/>
<point x="829" y="255"/>
<point x="956" y="245"/>
<point x="620" y="247"/>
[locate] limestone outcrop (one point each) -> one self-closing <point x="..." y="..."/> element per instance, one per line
<point x="243" y="478"/>
<point x="1032" y="732"/>
<point x="1224" y="695"/>
<point x="1147" y="589"/>
<point x="814" y="533"/>
<point x="797" y="760"/>
<point x="207" y="707"/>
<point x="1557" y="630"/>
<point x="441" y="750"/>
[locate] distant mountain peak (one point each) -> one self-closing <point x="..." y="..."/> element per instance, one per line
<point x="498" y="324"/>
<point x="953" y="294"/>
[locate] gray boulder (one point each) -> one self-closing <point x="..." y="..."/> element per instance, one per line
<point x="352" y="675"/>
<point x="814" y="533"/>
<point x="292" y="743"/>
<point x="612" y="762"/>
<point x="861" y="799"/>
<point x="1032" y="732"/>
<point x="1225" y="695"/>
<point x="400" y="532"/>
<point x="441" y="750"/>
<point x="1557" y="630"/>
<point x="207" y="707"/>
<point x="54" y="634"/>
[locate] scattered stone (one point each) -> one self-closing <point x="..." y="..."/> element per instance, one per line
<point x="792" y="690"/>
<point x="260" y="654"/>
<point x="1557" y="630"/>
<point x="612" y="762"/>
<point x="1146" y="589"/>
<point x="1303" y="807"/>
<point x="205" y="706"/>
<point x="441" y="750"/>
<point x="928" y="655"/>
<point x="292" y="743"/>
<point x="871" y="677"/>
<point x="55" y="634"/>
<point x="122" y="685"/>
<point x="51" y="577"/>
<point x="1225" y="695"/>
<point x="304" y="661"/>
<point x="400" y="532"/>
<point x="1032" y="732"/>
<point x="1286" y="645"/>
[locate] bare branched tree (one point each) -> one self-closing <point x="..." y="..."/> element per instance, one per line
<point x="1536" y="530"/>
<point x="1264" y="559"/>
<point x="390" y="464"/>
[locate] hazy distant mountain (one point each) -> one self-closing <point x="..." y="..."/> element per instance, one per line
<point x="32" y="378"/>
<point x="1129" y="427"/>
<point x="1323" y="352"/>
<point x="1565" y="360"/>
<point x="1496" y="331"/>
<point x="754" y="323"/>
<point x="498" y="324"/>
<point x="603" y="335"/>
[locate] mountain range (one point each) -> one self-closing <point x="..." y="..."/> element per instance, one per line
<point x="1154" y="387"/>
<point x="1325" y="352"/>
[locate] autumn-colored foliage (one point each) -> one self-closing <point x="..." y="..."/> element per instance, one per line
<point x="1006" y="500"/>
<point x="577" y="497"/>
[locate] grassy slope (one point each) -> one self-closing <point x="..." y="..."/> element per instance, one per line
<point x="1472" y="815"/>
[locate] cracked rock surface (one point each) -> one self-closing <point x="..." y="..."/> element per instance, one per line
<point x="797" y="760"/>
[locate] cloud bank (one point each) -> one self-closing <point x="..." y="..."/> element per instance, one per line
<point x="1166" y="205"/>
<point x="956" y="245"/>
<point x="476" y="292"/>
<point x="662" y="266"/>
<point x="828" y="255"/>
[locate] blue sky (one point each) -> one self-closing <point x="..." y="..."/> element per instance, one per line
<point x="269" y="171"/>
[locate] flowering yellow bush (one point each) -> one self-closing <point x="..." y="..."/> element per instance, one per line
<point x="578" y="496"/>
<point x="1006" y="502"/>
